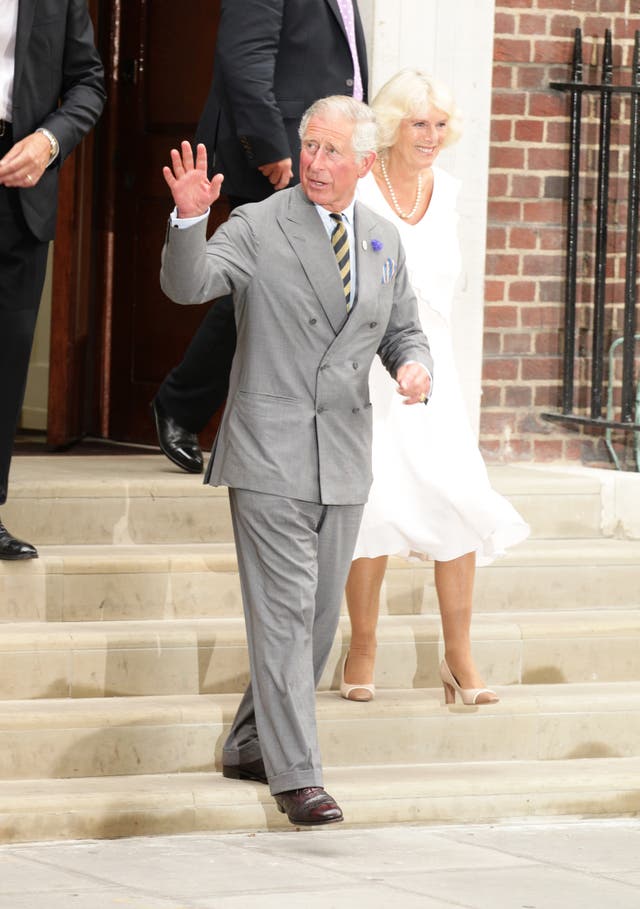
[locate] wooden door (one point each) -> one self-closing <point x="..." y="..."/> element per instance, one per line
<point x="163" y="78"/>
<point x="70" y="414"/>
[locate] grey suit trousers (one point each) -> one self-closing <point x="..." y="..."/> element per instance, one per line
<point x="293" y="558"/>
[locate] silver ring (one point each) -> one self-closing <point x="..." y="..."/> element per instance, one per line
<point x="29" y="178"/>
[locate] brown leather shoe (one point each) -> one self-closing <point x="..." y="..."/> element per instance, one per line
<point x="307" y="807"/>
<point x="250" y="770"/>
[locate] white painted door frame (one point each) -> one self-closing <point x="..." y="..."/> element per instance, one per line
<point x="452" y="40"/>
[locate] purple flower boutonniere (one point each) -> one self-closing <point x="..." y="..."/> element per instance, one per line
<point x="376" y="245"/>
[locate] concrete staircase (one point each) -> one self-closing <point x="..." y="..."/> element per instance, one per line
<point x="122" y="657"/>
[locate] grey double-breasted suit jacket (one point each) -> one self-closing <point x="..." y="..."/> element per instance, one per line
<point x="298" y="415"/>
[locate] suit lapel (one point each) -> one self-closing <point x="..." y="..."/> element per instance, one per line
<point x="308" y="238"/>
<point x="335" y="9"/>
<point x="26" y="11"/>
<point x="368" y="261"/>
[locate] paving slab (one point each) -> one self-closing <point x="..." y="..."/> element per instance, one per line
<point x="523" y="864"/>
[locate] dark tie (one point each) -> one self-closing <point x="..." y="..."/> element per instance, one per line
<point x="340" y="243"/>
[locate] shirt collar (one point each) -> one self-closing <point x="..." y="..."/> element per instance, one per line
<point x="347" y="214"/>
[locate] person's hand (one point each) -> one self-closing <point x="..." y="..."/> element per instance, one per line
<point x="414" y="383"/>
<point x="278" y="173"/>
<point x="192" y="191"/>
<point x="25" y="162"/>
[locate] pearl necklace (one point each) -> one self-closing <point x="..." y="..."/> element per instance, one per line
<point x="402" y="214"/>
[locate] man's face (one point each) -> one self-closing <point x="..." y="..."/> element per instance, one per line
<point x="329" y="169"/>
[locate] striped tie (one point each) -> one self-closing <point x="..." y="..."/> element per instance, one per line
<point x="340" y="243"/>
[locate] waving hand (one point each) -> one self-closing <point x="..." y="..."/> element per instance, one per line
<point x="192" y="192"/>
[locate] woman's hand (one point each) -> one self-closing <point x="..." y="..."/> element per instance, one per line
<point x="192" y="192"/>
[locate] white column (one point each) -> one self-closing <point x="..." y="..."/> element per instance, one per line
<point x="452" y="40"/>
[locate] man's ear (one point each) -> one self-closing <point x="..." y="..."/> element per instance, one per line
<point x="366" y="163"/>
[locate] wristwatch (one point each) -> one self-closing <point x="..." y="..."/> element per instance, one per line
<point x="53" y="143"/>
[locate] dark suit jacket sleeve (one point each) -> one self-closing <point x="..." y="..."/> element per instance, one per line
<point x="81" y="83"/>
<point x="59" y="85"/>
<point x="247" y="48"/>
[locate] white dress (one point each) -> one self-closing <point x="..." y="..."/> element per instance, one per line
<point x="431" y="495"/>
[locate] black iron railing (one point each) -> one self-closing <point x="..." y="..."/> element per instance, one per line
<point x="628" y="416"/>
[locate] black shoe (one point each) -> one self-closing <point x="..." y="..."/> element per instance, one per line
<point x="178" y="444"/>
<point x="12" y="548"/>
<point x="250" y="770"/>
<point x="308" y="807"/>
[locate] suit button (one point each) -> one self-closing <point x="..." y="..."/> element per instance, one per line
<point x="325" y="366"/>
<point x="312" y="321"/>
<point x="350" y="83"/>
<point x="355" y="365"/>
<point x="321" y="409"/>
<point x="372" y="324"/>
<point x="355" y="410"/>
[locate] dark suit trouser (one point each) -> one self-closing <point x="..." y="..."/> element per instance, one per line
<point x="194" y="390"/>
<point x="197" y="387"/>
<point x="23" y="263"/>
<point x="293" y="558"/>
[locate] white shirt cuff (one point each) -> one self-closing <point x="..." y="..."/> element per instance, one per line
<point x="182" y="223"/>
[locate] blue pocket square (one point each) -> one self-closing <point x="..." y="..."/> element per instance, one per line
<point x="388" y="270"/>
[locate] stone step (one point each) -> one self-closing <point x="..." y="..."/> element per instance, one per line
<point x="124" y="806"/>
<point x="120" y="499"/>
<point x="115" y="583"/>
<point x="60" y="499"/>
<point x="209" y="656"/>
<point x="122" y="736"/>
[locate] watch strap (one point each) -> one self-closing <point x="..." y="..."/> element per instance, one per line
<point x="53" y="143"/>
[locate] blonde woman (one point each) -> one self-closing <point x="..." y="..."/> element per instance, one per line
<point x="431" y="496"/>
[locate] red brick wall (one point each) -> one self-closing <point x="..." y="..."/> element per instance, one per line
<point x="526" y="240"/>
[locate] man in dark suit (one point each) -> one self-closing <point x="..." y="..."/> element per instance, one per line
<point x="51" y="94"/>
<point x="273" y="58"/>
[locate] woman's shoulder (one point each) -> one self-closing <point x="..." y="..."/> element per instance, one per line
<point x="445" y="183"/>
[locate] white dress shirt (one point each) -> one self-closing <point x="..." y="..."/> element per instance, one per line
<point x="8" y="29"/>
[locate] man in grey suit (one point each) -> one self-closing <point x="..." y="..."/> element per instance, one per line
<point x="294" y="444"/>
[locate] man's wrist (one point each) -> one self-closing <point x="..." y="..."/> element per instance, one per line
<point x="54" y="146"/>
<point x="181" y="222"/>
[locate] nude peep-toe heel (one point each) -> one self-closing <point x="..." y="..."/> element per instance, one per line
<point x="470" y="696"/>
<point x="366" y="692"/>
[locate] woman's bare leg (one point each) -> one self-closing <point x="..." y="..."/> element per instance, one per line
<point x="454" y="586"/>
<point x="363" y="601"/>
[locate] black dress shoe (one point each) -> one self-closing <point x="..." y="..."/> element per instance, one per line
<point x="308" y="807"/>
<point x="178" y="444"/>
<point x="250" y="770"/>
<point x="12" y="548"/>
